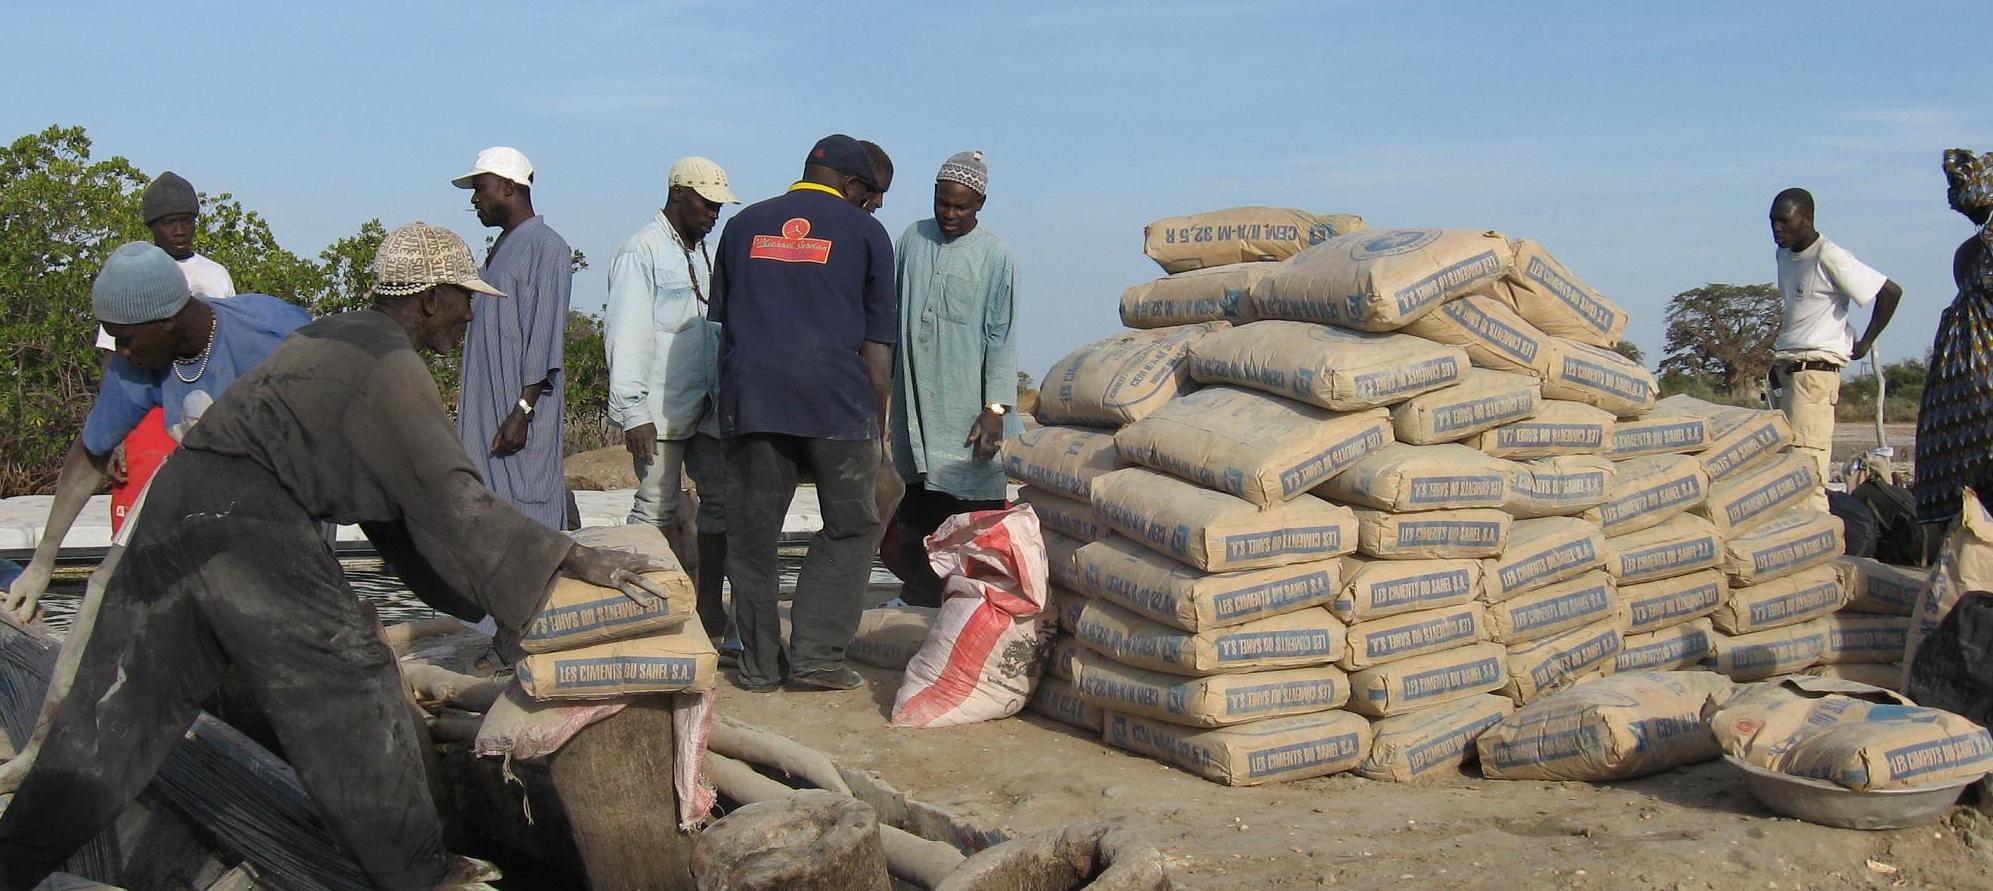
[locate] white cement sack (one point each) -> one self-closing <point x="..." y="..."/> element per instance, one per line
<point x="1652" y="606"/>
<point x="1374" y="589"/>
<point x="1120" y="379"/>
<point x="1744" y="501"/>
<point x="1859" y="738"/>
<point x="1738" y="436"/>
<point x="1395" y="688"/>
<point x="1491" y="333"/>
<point x="1061" y="460"/>
<point x="1274" y="750"/>
<point x="1151" y="585"/>
<point x="1055" y="698"/>
<point x="1616" y="728"/>
<point x="1239" y="235"/>
<point x="1802" y="596"/>
<point x="578" y="614"/>
<point x="1684" y="646"/>
<point x="1432" y="741"/>
<point x="1378" y="641"/>
<point x="676" y="661"/>
<point x="1541" y="552"/>
<point x="1213" y="701"/>
<point x="1065" y="515"/>
<point x="1060" y="568"/>
<point x="1302" y="638"/>
<point x="1063" y="663"/>
<point x="1382" y="279"/>
<point x="1558" y="301"/>
<point x="1886" y="676"/>
<point x="1405" y="478"/>
<point x="1217" y="532"/>
<point x="1554" y="609"/>
<point x="1679" y="546"/>
<point x="1791" y="542"/>
<point x="1965" y="563"/>
<point x="1482" y="400"/>
<point x="1648" y="491"/>
<point x="1065" y="604"/>
<point x="1560" y="427"/>
<point x="1879" y="588"/>
<point x="1562" y="486"/>
<point x="1854" y="638"/>
<point x="888" y="636"/>
<point x="1326" y="366"/>
<point x="1750" y="657"/>
<point x="1658" y="434"/>
<point x="1255" y="445"/>
<point x="1211" y="294"/>
<point x="1594" y="376"/>
<point x="1432" y="534"/>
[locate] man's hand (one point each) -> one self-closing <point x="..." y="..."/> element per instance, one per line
<point x="117" y="469"/>
<point x="25" y="594"/>
<point x="621" y="570"/>
<point x="986" y="435"/>
<point x="1860" y="350"/>
<point x="641" y="440"/>
<point x="511" y="435"/>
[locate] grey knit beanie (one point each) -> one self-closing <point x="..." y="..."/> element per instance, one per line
<point x="168" y="195"/>
<point x="139" y="283"/>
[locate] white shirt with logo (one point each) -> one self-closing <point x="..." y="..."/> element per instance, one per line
<point x="205" y="278"/>
<point x="1818" y="284"/>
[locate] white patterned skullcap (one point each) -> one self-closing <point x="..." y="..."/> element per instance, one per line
<point x="419" y="256"/>
<point x="966" y="168"/>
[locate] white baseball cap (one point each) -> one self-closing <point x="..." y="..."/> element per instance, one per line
<point x="499" y="160"/>
<point x="704" y="177"/>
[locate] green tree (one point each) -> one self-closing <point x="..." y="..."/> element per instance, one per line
<point x="1631" y="351"/>
<point x="1724" y="334"/>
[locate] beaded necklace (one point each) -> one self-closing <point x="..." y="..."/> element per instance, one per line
<point x="206" y="353"/>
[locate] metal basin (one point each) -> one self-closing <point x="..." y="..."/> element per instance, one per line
<point x="1818" y="801"/>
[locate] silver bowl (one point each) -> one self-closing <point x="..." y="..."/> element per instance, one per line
<point x="1818" y="801"/>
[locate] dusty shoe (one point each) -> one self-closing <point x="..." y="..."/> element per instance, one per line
<point x="469" y="874"/>
<point x="829" y="679"/>
<point x="741" y="682"/>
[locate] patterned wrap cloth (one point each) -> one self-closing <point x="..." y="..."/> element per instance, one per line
<point x="1955" y="421"/>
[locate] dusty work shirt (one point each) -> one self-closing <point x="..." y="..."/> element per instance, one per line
<point x="663" y="352"/>
<point x="347" y="417"/>
<point x="956" y="355"/>
<point x="514" y="341"/>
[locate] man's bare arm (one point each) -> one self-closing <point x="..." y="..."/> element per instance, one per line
<point x="1886" y="299"/>
<point x="879" y="370"/>
<point x="81" y="474"/>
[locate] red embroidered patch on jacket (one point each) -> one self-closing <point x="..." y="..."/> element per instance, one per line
<point x="792" y="246"/>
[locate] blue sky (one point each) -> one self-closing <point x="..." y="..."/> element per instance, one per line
<point x="1641" y="144"/>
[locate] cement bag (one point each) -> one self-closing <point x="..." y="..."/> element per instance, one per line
<point x="1259" y="447"/>
<point x="1566" y="485"/>
<point x="1274" y="750"/>
<point x="578" y="614"/>
<point x="1551" y="297"/>
<point x="1617" y="728"/>
<point x="1406" y="478"/>
<point x="1060" y="568"/>
<point x="1856" y="737"/>
<point x="1855" y="638"/>
<point x="1068" y="516"/>
<point x="1751" y="657"/>
<point x="1658" y="434"/>
<point x="1216" y="532"/>
<point x="1064" y="661"/>
<point x="1679" y="546"/>
<point x="1879" y="588"/>
<point x="1395" y="688"/>
<point x="1061" y="460"/>
<point x="981" y="657"/>
<point x="517" y="726"/>
<point x="1652" y="606"/>
<point x="1886" y="677"/>
<point x="1539" y="668"/>
<point x="1491" y="333"/>
<point x="682" y="660"/>
<point x="1055" y="698"/>
<point x="1382" y="279"/>
<point x="1239" y="235"/>
<point x="1373" y="589"/>
<point x="1211" y="294"/>
<point x="1964" y="564"/>
<point x="1738" y="436"/>
<point x="1541" y="552"/>
<point x="1794" y="541"/>
<point x="1432" y="741"/>
<point x="889" y="636"/>
<point x="1684" y="646"/>
<point x="1648" y="491"/>
<point x="1066" y="605"/>
<point x="1746" y="500"/>
<point x="1594" y="376"/>
<point x="1432" y="534"/>
<point x="1553" y="609"/>
<point x="1120" y="379"/>
<point x="1482" y="400"/>
<point x="1212" y="701"/>
<point x="1414" y="634"/>
<point x="1306" y="637"/>
<point x="1155" y="587"/>
<point x="1324" y="365"/>
<point x="1560" y="427"/>
<point x="1802" y="596"/>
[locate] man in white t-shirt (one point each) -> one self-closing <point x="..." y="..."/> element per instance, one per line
<point x="1818" y="279"/>
<point x="170" y="208"/>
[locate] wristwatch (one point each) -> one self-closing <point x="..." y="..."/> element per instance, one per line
<point x="996" y="408"/>
<point x="525" y="406"/>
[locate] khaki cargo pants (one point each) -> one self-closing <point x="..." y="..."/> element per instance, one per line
<point x="1808" y="398"/>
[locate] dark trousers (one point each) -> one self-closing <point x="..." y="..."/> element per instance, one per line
<point x="225" y="569"/>
<point x="921" y="512"/>
<point x="762" y="470"/>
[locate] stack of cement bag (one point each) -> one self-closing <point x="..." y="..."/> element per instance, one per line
<point x="1866" y="640"/>
<point x="589" y="642"/>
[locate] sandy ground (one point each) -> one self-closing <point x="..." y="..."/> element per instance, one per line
<point x="1853" y="440"/>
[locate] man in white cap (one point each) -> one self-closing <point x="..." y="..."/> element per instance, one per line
<point x="342" y="423"/>
<point x="664" y="371"/>
<point x="509" y="394"/>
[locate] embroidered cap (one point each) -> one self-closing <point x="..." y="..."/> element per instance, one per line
<point x="705" y="177"/>
<point x="966" y="168"/>
<point x="419" y="256"/>
<point x="502" y="161"/>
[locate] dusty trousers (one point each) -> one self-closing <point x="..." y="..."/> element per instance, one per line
<point x="225" y="569"/>
<point x="921" y="512"/>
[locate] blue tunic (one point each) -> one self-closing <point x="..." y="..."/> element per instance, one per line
<point x="514" y="341"/>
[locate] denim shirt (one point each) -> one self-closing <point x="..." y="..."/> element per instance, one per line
<point x="663" y="353"/>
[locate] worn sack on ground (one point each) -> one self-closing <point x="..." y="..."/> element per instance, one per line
<point x="1374" y="589"/>
<point x="1965" y="563"/>
<point x="1255" y="445"/>
<point x="1744" y="501"/>
<point x="1796" y="540"/>
<point x="1326" y="366"/>
<point x="1055" y="698"/>
<point x="675" y="661"/>
<point x="1617" y="728"/>
<point x="1738" y="436"/>
<point x="1491" y="333"/>
<point x="1406" y="478"/>
<point x="1217" y="532"/>
<point x="1274" y="750"/>
<point x="1679" y="546"/>
<point x="1061" y="460"/>
<point x="1482" y="400"/>
<point x="1852" y="736"/>
<point x="1239" y="235"/>
<point x="1853" y="638"/>
<point x="1560" y="427"/>
<point x="1879" y="588"/>
<point x="1558" y="301"/>
<point x="518" y="726"/>
<point x="1540" y="613"/>
<point x="1211" y="701"/>
<point x="1432" y="741"/>
<point x="1156" y="587"/>
<point x="889" y="636"/>
<point x="1594" y="376"/>
<point x="1802" y="596"/>
<point x="983" y="654"/>
<point x="1378" y="641"/>
<point x="1120" y="379"/>
<point x="1650" y="490"/>
<point x="1432" y="534"/>
<point x="1064" y="661"/>
<point x="1382" y="279"/>
<point x="1684" y="646"/>
<point x="1066" y="604"/>
<point x="1652" y="606"/>
<point x="1424" y="681"/>
<point x="1304" y="637"/>
<point x="1541" y="552"/>
<point x="1060" y="568"/>
<point x="577" y="613"/>
<point x="1543" y="667"/>
<point x="1063" y="514"/>
<point x="1211" y="294"/>
<point x="1562" y="486"/>
<point x="1887" y="676"/>
<point x="1658" y="434"/>
<point x="1750" y="657"/>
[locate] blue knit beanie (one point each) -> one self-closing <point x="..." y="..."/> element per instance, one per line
<point x="139" y="283"/>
